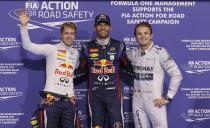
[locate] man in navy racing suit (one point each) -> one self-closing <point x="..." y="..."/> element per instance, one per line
<point x="103" y="58"/>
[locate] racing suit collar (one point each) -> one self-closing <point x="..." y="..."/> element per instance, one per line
<point x="65" y="46"/>
<point x="147" y="50"/>
<point x="103" y="42"/>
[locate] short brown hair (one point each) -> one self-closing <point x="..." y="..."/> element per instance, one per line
<point x="143" y="24"/>
<point x="70" y="25"/>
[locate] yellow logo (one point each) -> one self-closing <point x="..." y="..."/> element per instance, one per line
<point x="94" y="55"/>
<point x="33" y="122"/>
<point x="61" y="55"/>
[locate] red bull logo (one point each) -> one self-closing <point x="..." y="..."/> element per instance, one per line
<point x="66" y="65"/>
<point x="103" y="63"/>
<point x="103" y="70"/>
<point x="64" y="73"/>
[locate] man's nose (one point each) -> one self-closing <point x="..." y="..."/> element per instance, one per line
<point x="103" y="27"/>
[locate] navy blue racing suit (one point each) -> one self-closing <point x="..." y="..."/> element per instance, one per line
<point x="103" y="64"/>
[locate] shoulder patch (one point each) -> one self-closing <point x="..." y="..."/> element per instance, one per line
<point x="158" y="47"/>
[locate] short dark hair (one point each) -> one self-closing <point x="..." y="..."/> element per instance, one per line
<point x="70" y="25"/>
<point x="143" y="24"/>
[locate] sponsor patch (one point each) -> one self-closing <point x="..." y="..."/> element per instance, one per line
<point x="103" y="70"/>
<point x="103" y="63"/>
<point x="111" y="57"/>
<point x="112" y="49"/>
<point x="93" y="49"/>
<point x="93" y="55"/>
<point x="61" y="55"/>
<point x="62" y="51"/>
<point x="66" y="65"/>
<point x="64" y="73"/>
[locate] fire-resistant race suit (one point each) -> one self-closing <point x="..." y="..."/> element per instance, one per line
<point x="149" y="67"/>
<point x="103" y="62"/>
<point x="60" y="64"/>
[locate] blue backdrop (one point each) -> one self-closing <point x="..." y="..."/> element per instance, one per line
<point x="181" y="27"/>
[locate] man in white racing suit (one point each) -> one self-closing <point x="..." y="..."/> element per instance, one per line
<point x="61" y="60"/>
<point x="149" y="63"/>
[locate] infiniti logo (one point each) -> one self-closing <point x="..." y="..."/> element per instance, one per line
<point x="64" y="79"/>
<point x="103" y="77"/>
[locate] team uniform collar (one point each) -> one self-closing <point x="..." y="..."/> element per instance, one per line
<point x="144" y="52"/>
<point x="65" y="46"/>
<point x="147" y="50"/>
<point x="103" y="42"/>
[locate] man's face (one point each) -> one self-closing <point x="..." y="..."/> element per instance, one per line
<point x="144" y="36"/>
<point x="68" y="36"/>
<point x="102" y="30"/>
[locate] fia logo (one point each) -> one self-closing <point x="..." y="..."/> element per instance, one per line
<point x="31" y="5"/>
<point x="191" y="63"/>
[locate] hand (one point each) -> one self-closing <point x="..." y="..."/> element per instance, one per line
<point x="159" y="102"/>
<point x="73" y="100"/>
<point x="23" y="17"/>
